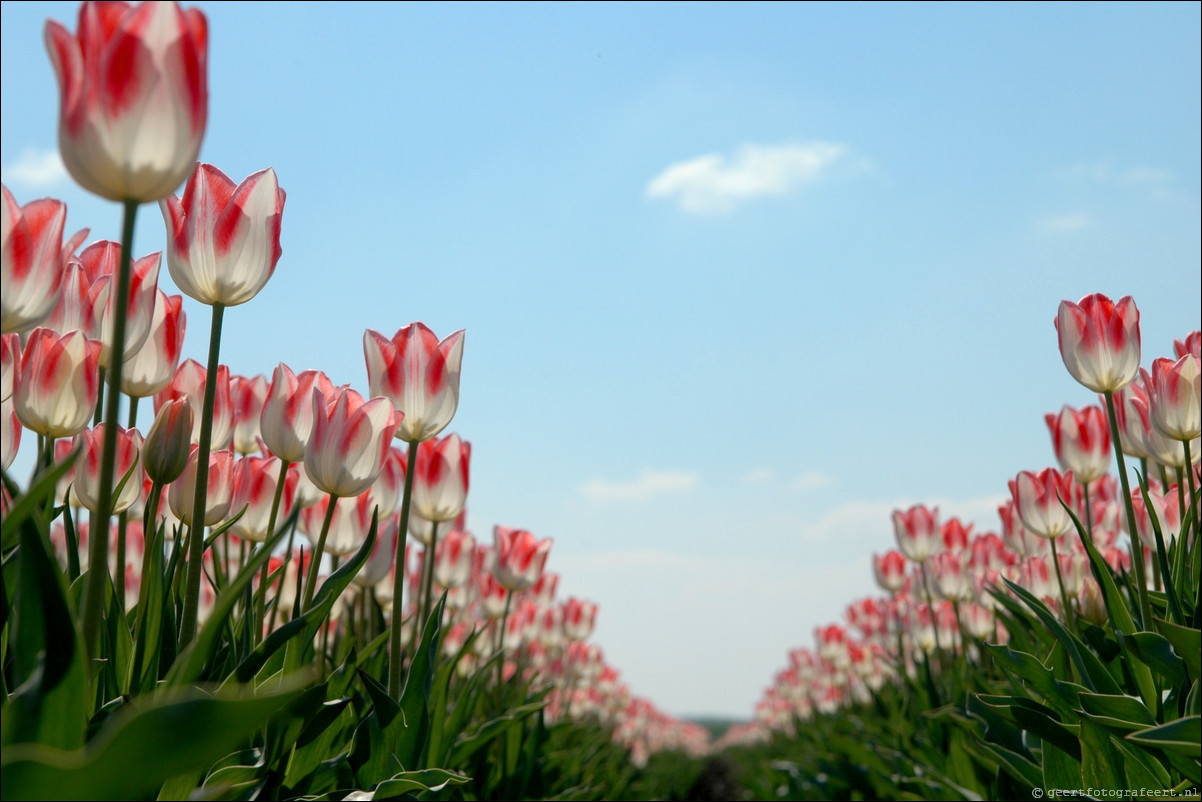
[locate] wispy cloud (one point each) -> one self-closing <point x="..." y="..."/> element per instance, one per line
<point x="811" y="480"/>
<point x="715" y="183"/>
<point x="1105" y="173"/>
<point x="871" y="522"/>
<point x="981" y="510"/>
<point x="759" y="476"/>
<point x="1065" y="222"/>
<point x="36" y="169"/>
<point x="648" y="483"/>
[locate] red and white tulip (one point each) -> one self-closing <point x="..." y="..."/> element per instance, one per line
<point x="223" y="241"/>
<point x="1038" y="496"/>
<point x="350" y="441"/>
<point x="419" y="374"/>
<point x="56" y="387"/>
<point x="150" y="369"/>
<point x="440" y="478"/>
<point x="31" y="260"/>
<point x="1099" y="341"/>
<point x="520" y="557"/>
<point x="917" y="532"/>
<point x="1081" y="440"/>
<point x="286" y="421"/>
<point x="134" y="98"/>
<point x="87" y="468"/>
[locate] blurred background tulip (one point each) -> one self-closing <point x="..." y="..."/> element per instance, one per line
<point x="31" y="260"/>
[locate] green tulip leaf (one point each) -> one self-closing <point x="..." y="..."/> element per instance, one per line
<point x="140" y="747"/>
<point x="1124" y="713"/>
<point x="1187" y="643"/>
<point x="1101" y="763"/>
<point x="1183" y="737"/>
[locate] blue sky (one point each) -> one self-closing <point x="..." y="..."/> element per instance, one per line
<point x="737" y="279"/>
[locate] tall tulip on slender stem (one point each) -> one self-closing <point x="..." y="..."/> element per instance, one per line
<point x="1175" y="388"/>
<point x="1081" y="440"/>
<point x="1040" y="500"/>
<point x="285" y="425"/>
<point x="133" y="105"/>
<point x="439" y="493"/>
<point x="223" y="243"/>
<point x="919" y="537"/>
<point x="420" y="375"/>
<point x="350" y="441"/>
<point x="1100" y="346"/>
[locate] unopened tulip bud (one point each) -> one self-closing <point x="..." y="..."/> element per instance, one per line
<point x="169" y="441"/>
<point x="1093" y="607"/>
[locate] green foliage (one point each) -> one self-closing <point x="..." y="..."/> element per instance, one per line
<point x="288" y="716"/>
<point x="1061" y="706"/>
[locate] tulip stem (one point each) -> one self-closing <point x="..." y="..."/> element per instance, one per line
<point x="123" y="519"/>
<point x="1088" y="513"/>
<point x="1068" y="610"/>
<point x="196" y="546"/>
<point x="96" y="414"/>
<point x="501" y="639"/>
<point x="963" y="674"/>
<point x="45" y="463"/>
<point x="315" y="560"/>
<point x="429" y="583"/>
<point x="261" y="604"/>
<point x="1181" y="500"/>
<point x="1137" y="546"/>
<point x="926" y="593"/>
<point x="151" y="543"/>
<point x="98" y="541"/>
<point x="1189" y="472"/>
<point x="398" y="580"/>
<point x="275" y="601"/>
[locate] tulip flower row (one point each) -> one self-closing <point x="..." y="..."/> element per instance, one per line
<point x="947" y="585"/>
<point x="231" y="462"/>
<point x="257" y="427"/>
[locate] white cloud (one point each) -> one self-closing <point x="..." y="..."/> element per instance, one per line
<point x="649" y="483"/>
<point x="714" y="183"/>
<point x="859" y="521"/>
<point x="1144" y="175"/>
<point x="759" y="476"/>
<point x="812" y="480"/>
<point x="871" y="522"/>
<point x="36" y="169"/>
<point x="1065" y="222"/>
<point x="1104" y="173"/>
<point x="981" y="511"/>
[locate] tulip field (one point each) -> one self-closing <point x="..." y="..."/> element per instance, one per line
<point x="265" y="587"/>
